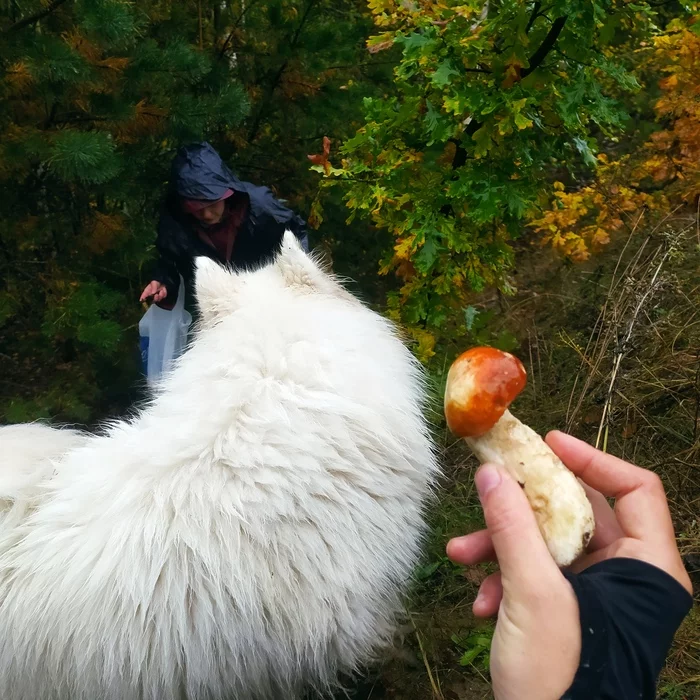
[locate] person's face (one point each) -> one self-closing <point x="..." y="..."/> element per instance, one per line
<point x="212" y="214"/>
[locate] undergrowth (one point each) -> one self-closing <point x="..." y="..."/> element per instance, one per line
<point x="612" y="350"/>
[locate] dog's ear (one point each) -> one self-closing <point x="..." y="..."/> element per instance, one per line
<point x="215" y="289"/>
<point x="300" y="270"/>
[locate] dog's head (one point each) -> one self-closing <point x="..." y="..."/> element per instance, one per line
<point x="221" y="291"/>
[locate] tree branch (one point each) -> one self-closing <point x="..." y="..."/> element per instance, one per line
<point x="239" y="19"/>
<point x="278" y="76"/>
<point x="370" y="64"/>
<point x="460" y="156"/>
<point x="546" y="46"/>
<point x="33" y="19"/>
<point x="535" y="14"/>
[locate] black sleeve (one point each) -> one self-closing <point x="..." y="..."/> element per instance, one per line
<point x="286" y="217"/>
<point x="165" y="268"/>
<point x="629" y="612"/>
<point x="166" y="272"/>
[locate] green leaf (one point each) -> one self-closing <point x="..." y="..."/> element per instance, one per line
<point x="470" y="656"/>
<point x="506" y="341"/>
<point x="482" y="139"/>
<point x="475" y="644"/>
<point x="470" y="315"/>
<point x="441" y="77"/>
<point x="423" y="573"/>
<point x="413" y="41"/>
<point x="521" y="121"/>
<point x="584" y="149"/>
<point x="517" y="206"/>
<point x="426" y="255"/>
<point x="439" y="126"/>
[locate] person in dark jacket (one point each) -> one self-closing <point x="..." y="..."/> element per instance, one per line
<point x="209" y="211"/>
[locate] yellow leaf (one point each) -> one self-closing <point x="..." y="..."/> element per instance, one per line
<point x="380" y="42"/>
<point x="426" y="344"/>
<point x="668" y="83"/>
<point x="600" y="237"/>
<point x="404" y="248"/>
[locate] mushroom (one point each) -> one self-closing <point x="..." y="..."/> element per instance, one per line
<point x="481" y="385"/>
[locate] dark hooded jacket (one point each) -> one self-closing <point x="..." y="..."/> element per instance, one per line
<point x="199" y="173"/>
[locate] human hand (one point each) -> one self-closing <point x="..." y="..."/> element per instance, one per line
<point x="154" y="289"/>
<point x="537" y="642"/>
<point x="640" y="527"/>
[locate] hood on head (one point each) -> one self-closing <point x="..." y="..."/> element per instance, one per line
<point x="198" y="172"/>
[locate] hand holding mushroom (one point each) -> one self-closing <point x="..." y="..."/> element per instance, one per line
<point x="481" y="384"/>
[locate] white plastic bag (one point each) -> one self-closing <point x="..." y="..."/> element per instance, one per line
<point x="163" y="336"/>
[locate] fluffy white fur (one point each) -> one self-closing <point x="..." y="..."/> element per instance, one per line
<point x="248" y="533"/>
<point x="28" y="456"/>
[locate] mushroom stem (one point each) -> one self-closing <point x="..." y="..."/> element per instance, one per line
<point x="562" y="509"/>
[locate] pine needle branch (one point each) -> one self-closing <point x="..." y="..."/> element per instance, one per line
<point x="33" y="19"/>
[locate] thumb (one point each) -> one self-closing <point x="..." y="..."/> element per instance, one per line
<point x="522" y="553"/>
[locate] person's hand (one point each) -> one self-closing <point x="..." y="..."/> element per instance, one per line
<point x="640" y="527"/>
<point x="154" y="289"/>
<point x="537" y="643"/>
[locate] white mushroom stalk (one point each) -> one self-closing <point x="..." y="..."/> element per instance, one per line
<point x="481" y="384"/>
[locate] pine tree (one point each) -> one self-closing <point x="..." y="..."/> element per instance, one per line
<point x="95" y="96"/>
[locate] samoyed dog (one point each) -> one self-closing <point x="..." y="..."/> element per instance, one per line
<point x="249" y="533"/>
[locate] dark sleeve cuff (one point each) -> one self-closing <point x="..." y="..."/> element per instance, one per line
<point x="594" y="640"/>
<point x="167" y="304"/>
<point x="629" y="611"/>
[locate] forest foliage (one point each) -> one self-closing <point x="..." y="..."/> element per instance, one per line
<point x="95" y="97"/>
<point x="425" y="142"/>
<point x="516" y="122"/>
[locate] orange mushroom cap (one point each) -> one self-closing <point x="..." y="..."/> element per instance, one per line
<point x="481" y="384"/>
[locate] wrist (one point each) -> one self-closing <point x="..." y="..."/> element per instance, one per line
<point x="537" y="654"/>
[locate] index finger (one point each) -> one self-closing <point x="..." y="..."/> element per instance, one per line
<point x="522" y="553"/>
<point x="640" y="501"/>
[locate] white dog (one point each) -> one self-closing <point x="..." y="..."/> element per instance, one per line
<point x="249" y="533"/>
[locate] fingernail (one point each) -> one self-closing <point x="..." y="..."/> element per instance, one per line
<point x="487" y="478"/>
<point x="458" y="539"/>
